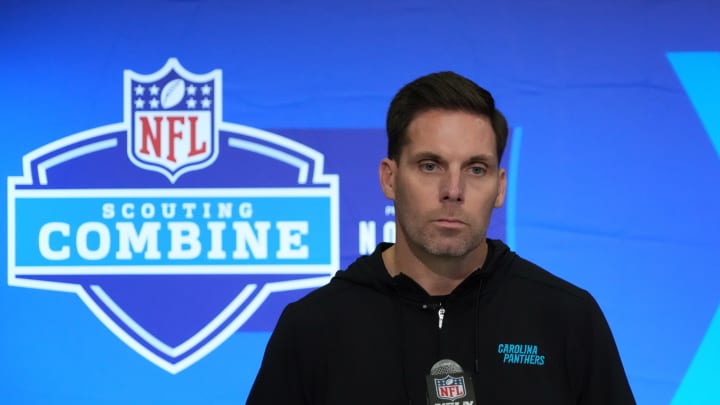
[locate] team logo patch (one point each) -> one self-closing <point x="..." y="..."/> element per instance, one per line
<point x="450" y="387"/>
<point x="173" y="227"/>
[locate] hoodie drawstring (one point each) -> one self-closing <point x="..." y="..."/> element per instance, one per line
<point x="400" y="344"/>
<point x="476" y="315"/>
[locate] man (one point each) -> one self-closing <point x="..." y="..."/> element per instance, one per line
<point x="443" y="290"/>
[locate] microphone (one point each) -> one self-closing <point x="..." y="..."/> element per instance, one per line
<point x="447" y="384"/>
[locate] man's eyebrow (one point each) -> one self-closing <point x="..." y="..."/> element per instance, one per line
<point x="429" y="155"/>
<point x="481" y="158"/>
<point x="426" y="155"/>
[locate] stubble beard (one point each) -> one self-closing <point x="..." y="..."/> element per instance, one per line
<point x="451" y="244"/>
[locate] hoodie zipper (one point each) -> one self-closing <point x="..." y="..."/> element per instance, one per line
<point x="441" y="332"/>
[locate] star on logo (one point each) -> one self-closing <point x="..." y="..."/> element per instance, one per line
<point x="206" y="89"/>
<point x="139" y="90"/>
<point x="191" y="90"/>
<point x="205" y="102"/>
<point x="154" y="89"/>
<point x="139" y="102"/>
<point x="191" y="103"/>
<point x="154" y="102"/>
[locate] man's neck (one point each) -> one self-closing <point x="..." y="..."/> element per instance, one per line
<point x="437" y="275"/>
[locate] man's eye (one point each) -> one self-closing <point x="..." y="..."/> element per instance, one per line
<point x="478" y="170"/>
<point x="428" y="166"/>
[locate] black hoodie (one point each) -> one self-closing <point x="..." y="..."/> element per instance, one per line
<point x="526" y="337"/>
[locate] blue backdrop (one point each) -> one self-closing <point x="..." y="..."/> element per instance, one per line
<point x="614" y="164"/>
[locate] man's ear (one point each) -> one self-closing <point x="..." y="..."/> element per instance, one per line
<point x="387" y="171"/>
<point x="502" y="188"/>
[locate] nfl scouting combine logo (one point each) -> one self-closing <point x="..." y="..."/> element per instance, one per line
<point x="173" y="227"/>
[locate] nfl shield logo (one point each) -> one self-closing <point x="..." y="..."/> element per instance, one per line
<point x="450" y="388"/>
<point x="173" y="116"/>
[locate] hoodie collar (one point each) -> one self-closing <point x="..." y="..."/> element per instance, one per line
<point x="370" y="271"/>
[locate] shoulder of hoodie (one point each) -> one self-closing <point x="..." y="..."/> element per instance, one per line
<point x="523" y="270"/>
<point x="328" y="293"/>
<point x="322" y="306"/>
<point x="337" y="294"/>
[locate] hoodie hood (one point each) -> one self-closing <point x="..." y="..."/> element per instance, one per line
<point x="370" y="271"/>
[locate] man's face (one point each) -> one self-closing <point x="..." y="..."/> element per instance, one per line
<point x="445" y="183"/>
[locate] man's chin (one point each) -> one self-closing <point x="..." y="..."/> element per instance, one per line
<point x="450" y="251"/>
<point x="452" y="248"/>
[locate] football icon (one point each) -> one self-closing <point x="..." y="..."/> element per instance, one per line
<point x="172" y="93"/>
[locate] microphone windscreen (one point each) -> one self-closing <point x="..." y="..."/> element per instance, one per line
<point x="445" y="367"/>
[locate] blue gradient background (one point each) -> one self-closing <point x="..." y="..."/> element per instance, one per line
<point x="616" y="181"/>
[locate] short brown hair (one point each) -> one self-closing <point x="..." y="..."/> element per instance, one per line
<point x="444" y="91"/>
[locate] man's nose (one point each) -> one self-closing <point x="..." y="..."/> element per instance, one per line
<point x="452" y="187"/>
